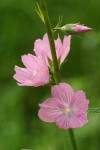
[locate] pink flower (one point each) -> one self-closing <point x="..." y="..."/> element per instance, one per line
<point x="79" y="28"/>
<point x="68" y="109"/>
<point x="62" y="48"/>
<point x="35" y="74"/>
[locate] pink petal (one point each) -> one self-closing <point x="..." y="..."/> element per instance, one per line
<point x="23" y="76"/>
<point x="64" y="92"/>
<point x="79" y="103"/>
<point x="58" y="46"/>
<point x="62" y="122"/>
<point x="78" y="121"/>
<point x="41" y="46"/>
<point x="66" y="47"/>
<point x="66" y="123"/>
<point x="50" y="110"/>
<point x="29" y="61"/>
<point x="26" y="83"/>
<point x="79" y="28"/>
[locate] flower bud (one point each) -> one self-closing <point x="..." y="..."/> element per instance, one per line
<point x="73" y="28"/>
<point x="80" y="28"/>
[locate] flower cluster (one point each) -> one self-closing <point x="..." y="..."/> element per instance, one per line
<point x="62" y="48"/>
<point x="36" y="72"/>
<point x="66" y="108"/>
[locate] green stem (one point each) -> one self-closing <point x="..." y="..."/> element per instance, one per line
<point x="72" y="138"/>
<point x="51" y="40"/>
<point x="54" y="56"/>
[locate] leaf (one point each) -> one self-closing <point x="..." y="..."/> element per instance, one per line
<point x="94" y="110"/>
<point x="59" y="22"/>
<point x="39" y="12"/>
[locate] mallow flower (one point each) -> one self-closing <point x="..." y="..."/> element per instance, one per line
<point x="36" y="72"/>
<point x="66" y="108"/>
<point x="62" y="48"/>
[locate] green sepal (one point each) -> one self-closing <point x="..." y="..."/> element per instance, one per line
<point x="51" y="65"/>
<point x="67" y="29"/>
<point x="59" y="62"/>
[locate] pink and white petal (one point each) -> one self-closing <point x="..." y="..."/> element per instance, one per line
<point x="41" y="46"/>
<point x="21" y="74"/>
<point x="43" y="71"/>
<point x="59" y="46"/>
<point x="30" y="61"/>
<point x="49" y="110"/>
<point x="26" y="83"/>
<point x="42" y="77"/>
<point x="41" y="61"/>
<point x="25" y="78"/>
<point x="66" y="47"/>
<point x="62" y="122"/>
<point x="65" y="122"/>
<point x="78" y="121"/>
<point x="46" y="47"/>
<point x="38" y="47"/>
<point x="46" y="42"/>
<point x="64" y="92"/>
<point x="79" y="103"/>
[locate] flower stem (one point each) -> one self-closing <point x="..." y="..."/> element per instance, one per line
<point x="72" y="138"/>
<point x="54" y="57"/>
<point x="51" y="40"/>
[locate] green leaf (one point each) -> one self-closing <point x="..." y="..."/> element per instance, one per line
<point x="94" y="110"/>
<point x="39" y="12"/>
<point x="59" y="22"/>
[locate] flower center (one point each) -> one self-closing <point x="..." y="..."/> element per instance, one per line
<point x="67" y="111"/>
<point x="35" y="72"/>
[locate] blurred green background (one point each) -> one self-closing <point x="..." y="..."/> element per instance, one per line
<point x="20" y="126"/>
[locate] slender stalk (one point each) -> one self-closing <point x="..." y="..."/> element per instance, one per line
<point x="54" y="57"/>
<point x="72" y="138"/>
<point x="51" y="40"/>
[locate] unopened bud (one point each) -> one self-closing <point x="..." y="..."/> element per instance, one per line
<point x="73" y="28"/>
<point x="80" y="28"/>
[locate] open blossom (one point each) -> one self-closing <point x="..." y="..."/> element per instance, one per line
<point x="68" y="109"/>
<point x="62" y="48"/>
<point x="35" y="74"/>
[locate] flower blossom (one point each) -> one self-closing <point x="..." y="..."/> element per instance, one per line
<point x="35" y="74"/>
<point x="62" y="48"/>
<point x="68" y="109"/>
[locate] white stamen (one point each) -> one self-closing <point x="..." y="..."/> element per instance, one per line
<point x="35" y="72"/>
<point x="67" y="111"/>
